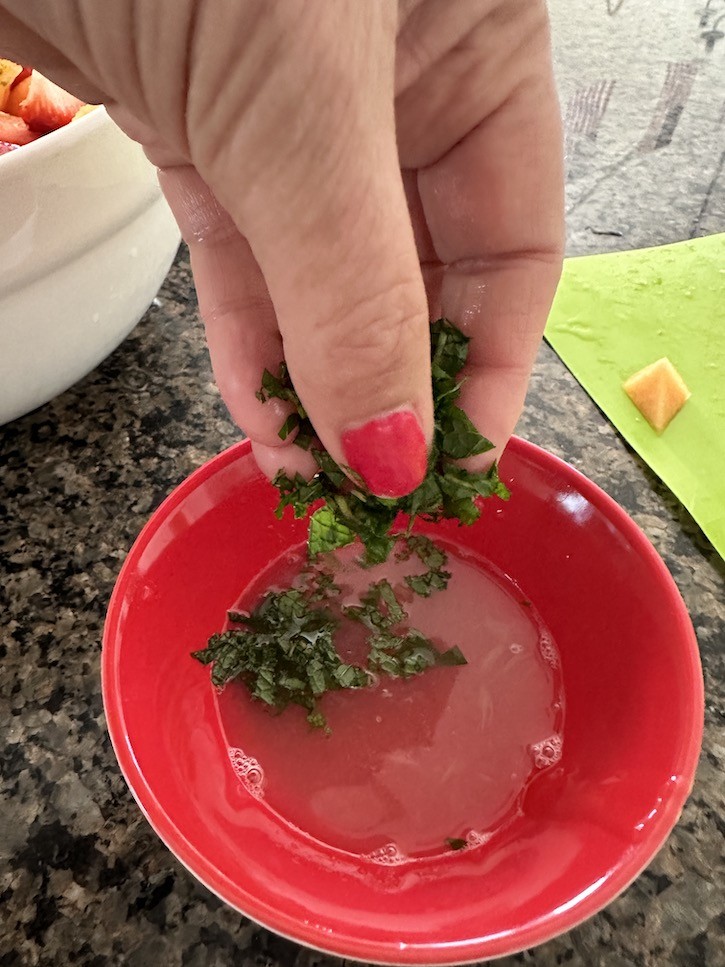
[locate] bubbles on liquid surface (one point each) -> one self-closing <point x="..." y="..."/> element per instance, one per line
<point x="547" y="650"/>
<point x="388" y="855"/>
<point x="547" y="752"/>
<point x="515" y="648"/>
<point x="249" y="771"/>
<point x="474" y="838"/>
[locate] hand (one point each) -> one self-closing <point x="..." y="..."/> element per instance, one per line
<point x="342" y="173"/>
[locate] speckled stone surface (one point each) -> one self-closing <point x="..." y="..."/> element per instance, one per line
<point x="83" y="879"/>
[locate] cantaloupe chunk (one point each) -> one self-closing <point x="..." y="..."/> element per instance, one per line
<point x="658" y="391"/>
<point x="8" y="72"/>
<point x="82" y="111"/>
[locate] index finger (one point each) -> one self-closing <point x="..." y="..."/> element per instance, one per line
<point x="494" y="207"/>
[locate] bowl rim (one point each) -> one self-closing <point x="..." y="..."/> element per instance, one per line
<point x="48" y="145"/>
<point x="475" y="950"/>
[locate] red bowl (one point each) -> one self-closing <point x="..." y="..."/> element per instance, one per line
<point x="632" y="733"/>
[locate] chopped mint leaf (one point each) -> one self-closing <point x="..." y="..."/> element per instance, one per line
<point x="296" y="492"/>
<point x="449" y="350"/>
<point x="426" y="501"/>
<point x="434" y="558"/>
<point x="237" y="617"/>
<point x="335" y="474"/>
<point x="291" y="423"/>
<point x="453" y="656"/>
<point x="350" y="676"/>
<point x="426" y="584"/>
<point x="408" y="654"/>
<point x="380" y="609"/>
<point x="280" y="387"/>
<point x="320" y="585"/>
<point x="328" y="531"/>
<point x="460" y="438"/>
<point x="205" y="655"/>
<point x="318" y="721"/>
<point x="453" y="842"/>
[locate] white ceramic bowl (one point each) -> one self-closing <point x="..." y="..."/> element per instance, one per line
<point x="87" y="239"/>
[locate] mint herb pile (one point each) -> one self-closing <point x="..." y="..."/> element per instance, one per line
<point x="284" y="653"/>
<point x="350" y="511"/>
<point x="284" y="650"/>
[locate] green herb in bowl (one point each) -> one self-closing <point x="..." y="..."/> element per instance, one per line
<point x="284" y="649"/>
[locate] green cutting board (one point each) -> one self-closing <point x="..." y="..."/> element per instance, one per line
<point x="614" y="314"/>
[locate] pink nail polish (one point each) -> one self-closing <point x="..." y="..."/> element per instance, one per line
<point x="389" y="453"/>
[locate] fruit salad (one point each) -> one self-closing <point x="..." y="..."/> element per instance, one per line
<point x="31" y="106"/>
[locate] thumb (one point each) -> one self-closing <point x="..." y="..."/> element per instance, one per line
<point x="329" y="226"/>
<point x="354" y="322"/>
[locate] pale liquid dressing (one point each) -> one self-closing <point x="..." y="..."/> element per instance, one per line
<point x="410" y="763"/>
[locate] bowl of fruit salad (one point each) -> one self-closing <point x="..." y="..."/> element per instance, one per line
<point x="87" y="238"/>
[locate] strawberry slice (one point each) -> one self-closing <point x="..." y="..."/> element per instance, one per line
<point x="14" y="130"/>
<point x="41" y="103"/>
<point x="9" y="73"/>
<point x="5" y="146"/>
<point x="24" y="72"/>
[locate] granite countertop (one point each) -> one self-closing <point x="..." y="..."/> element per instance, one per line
<point x="83" y="878"/>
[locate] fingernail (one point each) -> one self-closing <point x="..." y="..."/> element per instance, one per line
<point x="389" y="453"/>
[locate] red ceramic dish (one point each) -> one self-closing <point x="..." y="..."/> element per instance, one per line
<point x="632" y="733"/>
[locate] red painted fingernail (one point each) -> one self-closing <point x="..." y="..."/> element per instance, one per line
<point x="389" y="453"/>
